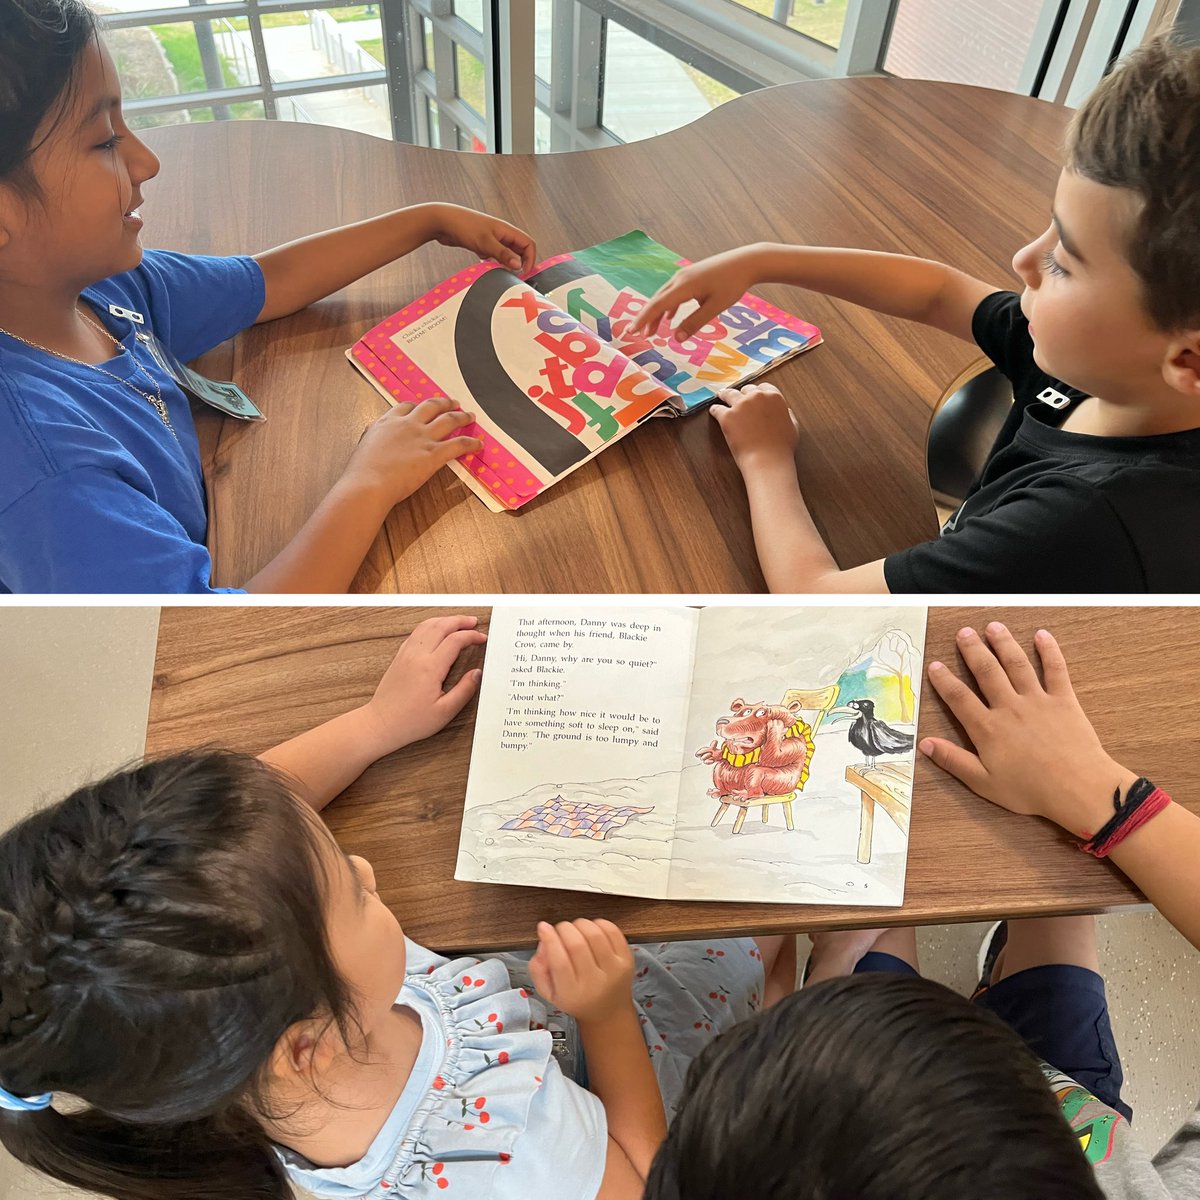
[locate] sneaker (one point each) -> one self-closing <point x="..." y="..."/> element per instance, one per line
<point x="994" y="940"/>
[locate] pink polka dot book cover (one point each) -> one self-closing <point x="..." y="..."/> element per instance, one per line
<point x="549" y="367"/>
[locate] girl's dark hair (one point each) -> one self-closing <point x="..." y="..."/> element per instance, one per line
<point x="159" y="931"/>
<point x="40" y="44"/>
<point x="870" y="1087"/>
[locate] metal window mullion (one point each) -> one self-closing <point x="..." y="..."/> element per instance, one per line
<point x="401" y="40"/>
<point x="509" y="77"/>
<point x="1101" y="46"/>
<point x="865" y="33"/>
<point x="254" y="20"/>
<point x="1075" y="24"/>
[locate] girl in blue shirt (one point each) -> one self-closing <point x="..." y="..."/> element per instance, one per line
<point x="185" y="951"/>
<point x="100" y="481"/>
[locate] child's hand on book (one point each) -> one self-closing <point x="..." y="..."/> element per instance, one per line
<point x="716" y="283"/>
<point x="411" y="701"/>
<point x="403" y="448"/>
<point x="584" y="968"/>
<point x="1035" y="750"/>
<point x="757" y="424"/>
<point x="489" y="237"/>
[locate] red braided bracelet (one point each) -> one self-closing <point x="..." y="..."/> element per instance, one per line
<point x="1144" y="811"/>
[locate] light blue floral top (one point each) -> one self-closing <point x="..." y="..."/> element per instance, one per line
<point x="487" y="1114"/>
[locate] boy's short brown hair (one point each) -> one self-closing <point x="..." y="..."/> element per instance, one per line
<point x="1140" y="130"/>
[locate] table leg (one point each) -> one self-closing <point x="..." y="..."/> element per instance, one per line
<point x="741" y="818"/>
<point x="720" y="812"/>
<point x="866" y="831"/>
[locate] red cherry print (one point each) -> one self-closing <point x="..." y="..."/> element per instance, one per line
<point x="524" y="994"/>
<point x="712" y="995"/>
<point x="484" y="1118"/>
<point x="505" y="1157"/>
<point x="468" y="1126"/>
<point x="466" y="979"/>
<point x="720" y="953"/>
<point x="383" y="1183"/>
<point x="724" y="1000"/>
<point x="479" y="983"/>
<point x="438" y="1168"/>
<point x="708" y="951"/>
<point x="491" y="1017"/>
<point x="698" y="1025"/>
<point x="502" y="1058"/>
<point x="537" y="1079"/>
<point x="481" y="1102"/>
<point x="438" y="1083"/>
<point x="443" y="1183"/>
<point x="499" y="1026"/>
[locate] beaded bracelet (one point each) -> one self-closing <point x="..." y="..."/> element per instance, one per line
<point x="1142" y="802"/>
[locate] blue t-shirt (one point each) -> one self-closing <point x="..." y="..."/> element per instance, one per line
<point x="96" y="494"/>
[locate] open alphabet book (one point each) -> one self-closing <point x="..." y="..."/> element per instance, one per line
<point x="720" y="754"/>
<point x="548" y="366"/>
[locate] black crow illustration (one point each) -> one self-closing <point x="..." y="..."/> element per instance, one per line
<point x="871" y="735"/>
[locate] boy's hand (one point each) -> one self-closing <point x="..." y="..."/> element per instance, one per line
<point x="715" y="282"/>
<point x="1036" y="751"/>
<point x="489" y="237"/>
<point x="757" y="424"/>
<point x="403" y="448"/>
<point x="409" y="703"/>
<point x="584" y="968"/>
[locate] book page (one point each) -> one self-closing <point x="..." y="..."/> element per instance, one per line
<point x="575" y="764"/>
<point x="547" y="393"/>
<point x="605" y="286"/>
<point x="799" y="755"/>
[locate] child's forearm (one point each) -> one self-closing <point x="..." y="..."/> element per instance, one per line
<point x="326" y="760"/>
<point x="917" y="289"/>
<point x="330" y="547"/>
<point x="620" y="1074"/>
<point x="1160" y="858"/>
<point x="792" y="554"/>
<point x="303" y="271"/>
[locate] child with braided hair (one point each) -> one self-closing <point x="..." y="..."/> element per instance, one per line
<point x="185" y="950"/>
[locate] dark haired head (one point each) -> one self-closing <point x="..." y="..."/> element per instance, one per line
<point x="159" y="931"/>
<point x="870" y="1087"/>
<point x="41" y="42"/>
<point x="1140" y="130"/>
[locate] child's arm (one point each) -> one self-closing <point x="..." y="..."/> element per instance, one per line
<point x="302" y="271"/>
<point x="1037" y="753"/>
<point x="761" y="432"/>
<point x="408" y="705"/>
<point x="585" y="968"/>
<point x="916" y="289"/>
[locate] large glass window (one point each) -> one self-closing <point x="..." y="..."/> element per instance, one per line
<point x="554" y="75"/>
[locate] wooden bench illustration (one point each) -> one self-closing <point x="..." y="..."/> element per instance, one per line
<point x="890" y="786"/>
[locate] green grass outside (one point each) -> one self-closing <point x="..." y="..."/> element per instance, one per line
<point x="356" y="12"/>
<point x="374" y="47"/>
<point x="179" y="45"/>
<point x="821" y="21"/>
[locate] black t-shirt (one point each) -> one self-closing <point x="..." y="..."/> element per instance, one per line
<point x="1054" y="511"/>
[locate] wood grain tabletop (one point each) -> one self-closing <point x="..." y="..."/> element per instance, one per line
<point x="956" y="173"/>
<point x="249" y="678"/>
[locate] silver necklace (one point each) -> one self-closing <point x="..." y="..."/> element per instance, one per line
<point x="156" y="401"/>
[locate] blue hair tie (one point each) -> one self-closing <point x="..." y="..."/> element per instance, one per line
<point x="13" y="1103"/>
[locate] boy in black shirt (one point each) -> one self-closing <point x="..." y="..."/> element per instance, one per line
<point x="1093" y="484"/>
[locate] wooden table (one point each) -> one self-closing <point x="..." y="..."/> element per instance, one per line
<point x="249" y="678"/>
<point x="955" y="173"/>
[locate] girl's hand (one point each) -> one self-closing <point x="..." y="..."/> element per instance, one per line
<point x="407" y="445"/>
<point x="1036" y="751"/>
<point x="716" y="282"/>
<point x="489" y="237"/>
<point x="584" y="968"/>
<point x="757" y="424"/>
<point x="409" y="704"/>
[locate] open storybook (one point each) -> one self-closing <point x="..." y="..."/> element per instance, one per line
<point x="549" y="367"/>
<point x="684" y="754"/>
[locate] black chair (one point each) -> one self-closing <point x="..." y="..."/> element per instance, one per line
<point x="962" y="432"/>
